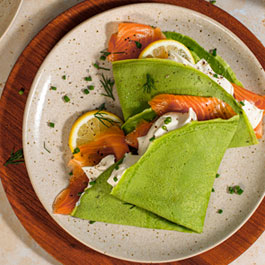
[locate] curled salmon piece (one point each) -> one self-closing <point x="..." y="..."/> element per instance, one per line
<point x="141" y="130"/>
<point x="241" y="93"/>
<point x="206" y="108"/>
<point x="112" y="141"/>
<point x="130" y="40"/>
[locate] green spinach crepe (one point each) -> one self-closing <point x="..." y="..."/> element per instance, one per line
<point x="174" y="177"/>
<point x="170" y="77"/>
<point x="175" y="174"/>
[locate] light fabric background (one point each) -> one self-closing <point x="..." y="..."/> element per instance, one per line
<point x="16" y="245"/>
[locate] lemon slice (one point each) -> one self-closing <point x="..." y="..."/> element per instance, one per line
<point x="90" y="125"/>
<point x="164" y="48"/>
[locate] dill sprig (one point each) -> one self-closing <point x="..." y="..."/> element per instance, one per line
<point x="44" y="146"/>
<point x="105" y="54"/>
<point x="15" y="158"/>
<point x="150" y="84"/>
<point x="96" y="65"/>
<point x="107" y="84"/>
<point x="100" y="116"/>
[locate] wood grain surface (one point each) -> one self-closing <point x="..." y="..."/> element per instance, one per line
<point x="15" y="180"/>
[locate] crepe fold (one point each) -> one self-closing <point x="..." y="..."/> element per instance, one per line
<point x="174" y="177"/>
<point x="169" y="77"/>
<point x="170" y="184"/>
<point x="98" y="204"/>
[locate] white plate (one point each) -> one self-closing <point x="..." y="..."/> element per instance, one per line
<point x="74" y="56"/>
<point x="8" y="12"/>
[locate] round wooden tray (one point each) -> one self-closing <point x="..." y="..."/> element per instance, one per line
<point x="15" y="179"/>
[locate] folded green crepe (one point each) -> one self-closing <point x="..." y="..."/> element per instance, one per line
<point x="174" y="177"/>
<point x="98" y="205"/>
<point x="179" y="181"/>
<point x="172" y="78"/>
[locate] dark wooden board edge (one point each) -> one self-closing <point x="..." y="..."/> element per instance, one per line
<point x="18" y="188"/>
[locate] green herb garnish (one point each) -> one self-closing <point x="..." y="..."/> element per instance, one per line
<point x="76" y="150"/>
<point x="91" y="87"/>
<point x="64" y="77"/>
<point x="99" y="67"/>
<point x="21" y="91"/>
<point x="150" y="84"/>
<point x="217" y="175"/>
<point x="164" y="127"/>
<point x="115" y="179"/>
<point x="53" y="87"/>
<point x="138" y="44"/>
<point x="15" y="158"/>
<point x="215" y="75"/>
<point x="44" y="146"/>
<point x="66" y="98"/>
<point x="107" y="84"/>
<point x="213" y="2"/>
<point x="167" y="120"/>
<point x="92" y="222"/>
<point x="102" y="106"/>
<point x="88" y="78"/>
<point x="152" y="139"/>
<point x="100" y="116"/>
<point x="51" y="124"/>
<point x="86" y="91"/>
<point x="79" y="193"/>
<point x="116" y="167"/>
<point x="213" y="52"/>
<point x="71" y="173"/>
<point x="220" y="211"/>
<point x="102" y="57"/>
<point x="235" y="189"/>
<point x="213" y="190"/>
<point x="242" y="103"/>
<point x="92" y="183"/>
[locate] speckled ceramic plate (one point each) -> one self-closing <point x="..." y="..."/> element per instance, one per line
<point x="73" y="57"/>
<point x="8" y="12"/>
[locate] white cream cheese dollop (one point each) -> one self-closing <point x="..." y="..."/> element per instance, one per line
<point x="95" y="171"/>
<point x="128" y="160"/>
<point x="158" y="129"/>
<point x="253" y="113"/>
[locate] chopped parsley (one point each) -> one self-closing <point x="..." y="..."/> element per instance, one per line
<point x="213" y="190"/>
<point x="76" y="150"/>
<point x="215" y="75"/>
<point x="88" y="78"/>
<point x="71" y="173"/>
<point x="96" y="65"/>
<point x="164" y="127"/>
<point x="115" y="179"/>
<point x="53" y="88"/>
<point x="167" y="120"/>
<point x="152" y="139"/>
<point x="213" y="52"/>
<point x="235" y="189"/>
<point x="92" y="222"/>
<point x="242" y="103"/>
<point x="91" y="87"/>
<point x="149" y="85"/>
<point x="138" y="44"/>
<point x="51" y="124"/>
<point x="92" y="183"/>
<point x="21" y="91"/>
<point x="220" y="211"/>
<point x="217" y="175"/>
<point x="213" y="2"/>
<point x="79" y="193"/>
<point x="64" y="77"/>
<point x="15" y="158"/>
<point x="86" y="91"/>
<point x="66" y="98"/>
<point x="116" y="167"/>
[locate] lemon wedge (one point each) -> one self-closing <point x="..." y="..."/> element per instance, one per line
<point x="90" y="125"/>
<point x="164" y="48"/>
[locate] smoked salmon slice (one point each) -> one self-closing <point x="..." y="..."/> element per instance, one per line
<point x="111" y="141"/>
<point x="141" y="130"/>
<point x="131" y="39"/>
<point x="206" y="108"/>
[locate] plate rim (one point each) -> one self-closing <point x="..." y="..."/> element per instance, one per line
<point x="55" y="19"/>
<point x="12" y="20"/>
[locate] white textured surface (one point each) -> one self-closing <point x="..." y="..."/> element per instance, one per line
<point x="16" y="246"/>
